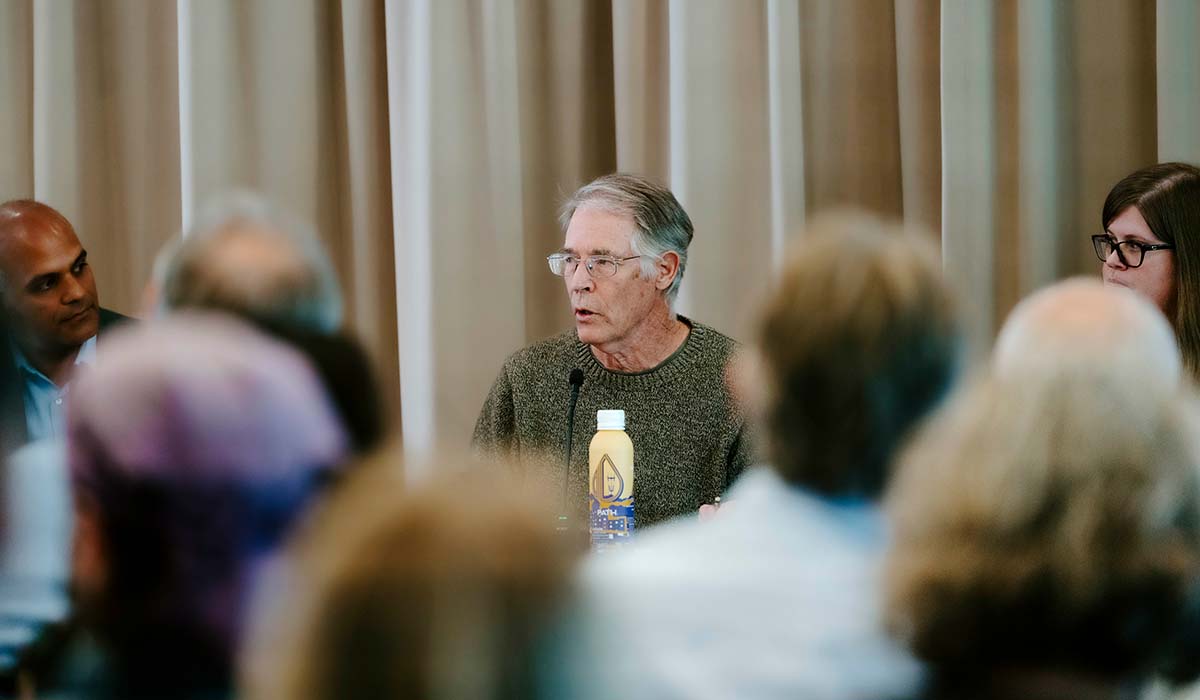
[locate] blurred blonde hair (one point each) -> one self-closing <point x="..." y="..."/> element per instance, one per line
<point x="1049" y="521"/>
<point x="444" y="590"/>
<point x="857" y="342"/>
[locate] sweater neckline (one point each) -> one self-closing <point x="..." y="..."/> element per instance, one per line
<point x="665" y="373"/>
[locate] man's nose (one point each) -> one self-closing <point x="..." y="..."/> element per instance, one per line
<point x="580" y="279"/>
<point x="73" y="291"/>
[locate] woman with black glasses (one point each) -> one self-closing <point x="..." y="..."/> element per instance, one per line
<point x="1150" y="219"/>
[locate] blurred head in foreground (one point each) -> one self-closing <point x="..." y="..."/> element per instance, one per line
<point x="245" y="257"/>
<point x="446" y="590"/>
<point x="1047" y="523"/>
<point x="858" y="341"/>
<point x="1081" y="326"/>
<point x="192" y="450"/>
<point x="249" y="258"/>
<point x="778" y="594"/>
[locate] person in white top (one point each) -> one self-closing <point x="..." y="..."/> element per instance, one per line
<point x="777" y="596"/>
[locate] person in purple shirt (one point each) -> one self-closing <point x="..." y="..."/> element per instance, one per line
<point x="192" y="449"/>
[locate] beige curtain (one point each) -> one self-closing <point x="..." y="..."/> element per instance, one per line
<point x="289" y="98"/>
<point x="1045" y="105"/>
<point x="431" y="141"/>
<point x="88" y="122"/>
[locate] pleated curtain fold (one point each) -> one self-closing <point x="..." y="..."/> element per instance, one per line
<point x="432" y="141"/>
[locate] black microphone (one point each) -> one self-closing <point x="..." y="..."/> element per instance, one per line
<point x="575" y="379"/>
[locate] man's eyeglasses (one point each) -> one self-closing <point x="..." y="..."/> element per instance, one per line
<point x="565" y="264"/>
<point x="1131" y="252"/>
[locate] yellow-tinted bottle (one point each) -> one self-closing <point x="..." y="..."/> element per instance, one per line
<point x="610" y="461"/>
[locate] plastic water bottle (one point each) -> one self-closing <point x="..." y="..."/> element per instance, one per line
<point x="610" y="460"/>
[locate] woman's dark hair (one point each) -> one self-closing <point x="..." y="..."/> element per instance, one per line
<point x="1168" y="197"/>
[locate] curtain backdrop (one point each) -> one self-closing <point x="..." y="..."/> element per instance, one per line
<point x="431" y="142"/>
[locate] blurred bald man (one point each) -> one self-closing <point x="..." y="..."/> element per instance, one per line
<point x="48" y="296"/>
<point x="247" y="257"/>
<point x="1080" y="325"/>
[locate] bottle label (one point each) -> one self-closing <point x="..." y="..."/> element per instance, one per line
<point x="611" y="516"/>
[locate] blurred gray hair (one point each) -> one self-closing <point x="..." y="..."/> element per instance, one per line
<point x="295" y="284"/>
<point x="1079" y="325"/>
<point x="1049" y="520"/>
<point x="660" y="223"/>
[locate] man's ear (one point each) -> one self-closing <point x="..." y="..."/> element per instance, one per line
<point x="667" y="268"/>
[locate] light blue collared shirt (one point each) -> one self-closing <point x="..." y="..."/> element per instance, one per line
<point x="45" y="402"/>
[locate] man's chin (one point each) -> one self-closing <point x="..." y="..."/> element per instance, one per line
<point x="588" y="335"/>
<point x="75" y="341"/>
<point x="77" y="333"/>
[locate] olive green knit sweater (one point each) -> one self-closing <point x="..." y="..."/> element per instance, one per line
<point x="689" y="440"/>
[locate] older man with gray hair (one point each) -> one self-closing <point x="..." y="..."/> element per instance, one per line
<point x="622" y="260"/>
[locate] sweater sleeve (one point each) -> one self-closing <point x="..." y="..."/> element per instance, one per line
<point x="495" y="430"/>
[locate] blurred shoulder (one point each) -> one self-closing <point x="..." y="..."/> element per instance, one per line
<point x="112" y="319"/>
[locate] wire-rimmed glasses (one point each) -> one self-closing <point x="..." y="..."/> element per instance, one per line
<point x="565" y="264"/>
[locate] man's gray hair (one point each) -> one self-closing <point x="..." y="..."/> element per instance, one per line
<point x="660" y="223"/>
<point x="245" y="256"/>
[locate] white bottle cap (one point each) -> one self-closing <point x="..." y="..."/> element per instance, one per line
<point x="610" y="420"/>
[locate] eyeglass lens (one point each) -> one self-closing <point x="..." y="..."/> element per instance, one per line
<point x="597" y="265"/>
<point x="1130" y="253"/>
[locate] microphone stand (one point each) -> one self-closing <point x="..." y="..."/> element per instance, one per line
<point x="576" y="381"/>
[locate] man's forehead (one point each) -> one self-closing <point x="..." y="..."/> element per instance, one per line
<point x="598" y="231"/>
<point x="32" y="218"/>
<point x="36" y="227"/>
<point x="29" y="248"/>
